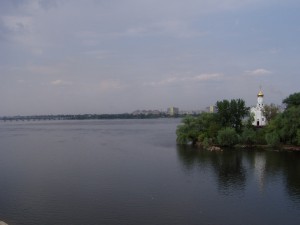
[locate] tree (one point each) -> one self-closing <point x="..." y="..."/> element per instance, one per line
<point x="286" y="124"/>
<point x="188" y="131"/>
<point x="292" y="100"/>
<point x="227" y="137"/>
<point x="270" y="111"/>
<point x="198" y="128"/>
<point x="231" y="114"/>
<point x="248" y="136"/>
<point x="273" y="139"/>
<point x="298" y="136"/>
<point x="223" y="112"/>
<point x="290" y="125"/>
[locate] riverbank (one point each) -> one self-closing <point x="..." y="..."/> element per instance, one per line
<point x="241" y="146"/>
<point x="267" y="147"/>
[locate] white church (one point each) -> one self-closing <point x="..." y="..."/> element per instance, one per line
<point x="259" y="118"/>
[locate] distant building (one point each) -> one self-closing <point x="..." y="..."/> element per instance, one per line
<point x="257" y="111"/>
<point x="146" y="112"/>
<point x="173" y="111"/>
<point x="190" y="112"/>
<point x="212" y="109"/>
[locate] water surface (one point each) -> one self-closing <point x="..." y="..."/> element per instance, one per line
<point x="132" y="172"/>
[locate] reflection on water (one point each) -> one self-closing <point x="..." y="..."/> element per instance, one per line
<point x="132" y="172"/>
<point x="232" y="168"/>
<point x="227" y="166"/>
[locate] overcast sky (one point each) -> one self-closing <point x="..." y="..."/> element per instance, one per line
<point x="115" y="56"/>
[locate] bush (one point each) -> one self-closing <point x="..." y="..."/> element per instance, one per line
<point x="273" y="139"/>
<point x="260" y="135"/>
<point x="188" y="131"/>
<point x="248" y="136"/>
<point x="298" y="137"/>
<point x="227" y="137"/>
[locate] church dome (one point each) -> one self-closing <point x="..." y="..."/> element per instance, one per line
<point x="260" y="94"/>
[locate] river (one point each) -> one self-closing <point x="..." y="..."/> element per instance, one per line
<point x="132" y="172"/>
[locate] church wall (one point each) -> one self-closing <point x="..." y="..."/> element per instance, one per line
<point x="259" y="119"/>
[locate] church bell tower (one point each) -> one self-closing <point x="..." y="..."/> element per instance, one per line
<point x="257" y="112"/>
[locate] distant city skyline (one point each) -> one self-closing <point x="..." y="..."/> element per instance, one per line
<point x="87" y="56"/>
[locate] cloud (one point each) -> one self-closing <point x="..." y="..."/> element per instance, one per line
<point x="187" y="79"/>
<point x="274" y="51"/>
<point x="172" y="27"/>
<point x="21" y="81"/>
<point x="110" y="84"/>
<point x="23" y="31"/>
<point x="43" y="70"/>
<point x="98" y="54"/>
<point x="207" y="77"/>
<point x="60" y="82"/>
<point x="176" y="28"/>
<point x="18" y="23"/>
<point x="115" y="49"/>
<point x="258" y="72"/>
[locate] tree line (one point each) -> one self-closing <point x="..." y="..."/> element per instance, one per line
<point x="89" y="116"/>
<point x="232" y="124"/>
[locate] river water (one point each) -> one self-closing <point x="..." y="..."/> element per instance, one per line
<point x="132" y="172"/>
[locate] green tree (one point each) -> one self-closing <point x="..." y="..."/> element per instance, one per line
<point x="231" y="114"/>
<point x="198" y="128"/>
<point x="273" y="139"/>
<point x="227" y="137"/>
<point x="290" y="123"/>
<point x="188" y="131"/>
<point x="298" y="136"/>
<point x="286" y="124"/>
<point x="292" y="100"/>
<point x="249" y="121"/>
<point x="248" y="136"/>
<point x="260" y="136"/>
<point x="223" y="112"/>
<point x="208" y="126"/>
<point x="270" y="111"/>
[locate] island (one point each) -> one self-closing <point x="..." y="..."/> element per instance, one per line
<point x="235" y="124"/>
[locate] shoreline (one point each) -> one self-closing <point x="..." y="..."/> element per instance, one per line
<point x="293" y="148"/>
<point x="267" y="147"/>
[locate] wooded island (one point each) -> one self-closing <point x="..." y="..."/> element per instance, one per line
<point x="233" y="124"/>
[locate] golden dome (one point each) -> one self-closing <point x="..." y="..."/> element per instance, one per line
<point x="260" y="94"/>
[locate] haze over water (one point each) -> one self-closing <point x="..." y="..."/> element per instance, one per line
<point x="132" y="172"/>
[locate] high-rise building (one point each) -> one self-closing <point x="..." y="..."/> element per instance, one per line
<point x="173" y="111"/>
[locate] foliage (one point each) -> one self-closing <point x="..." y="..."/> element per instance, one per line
<point x="292" y="100"/>
<point x="270" y="111"/>
<point x="227" y="137"/>
<point x="231" y="114"/>
<point x="286" y="125"/>
<point x="290" y="124"/>
<point x="298" y="136"/>
<point x="198" y="128"/>
<point x="223" y="112"/>
<point x="207" y="142"/>
<point x="227" y="127"/>
<point x="273" y="139"/>
<point x="89" y="116"/>
<point x="248" y="136"/>
<point x="188" y="131"/>
<point x="249" y="121"/>
<point x="260" y="134"/>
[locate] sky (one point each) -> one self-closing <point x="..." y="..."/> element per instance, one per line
<point x="117" y="56"/>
